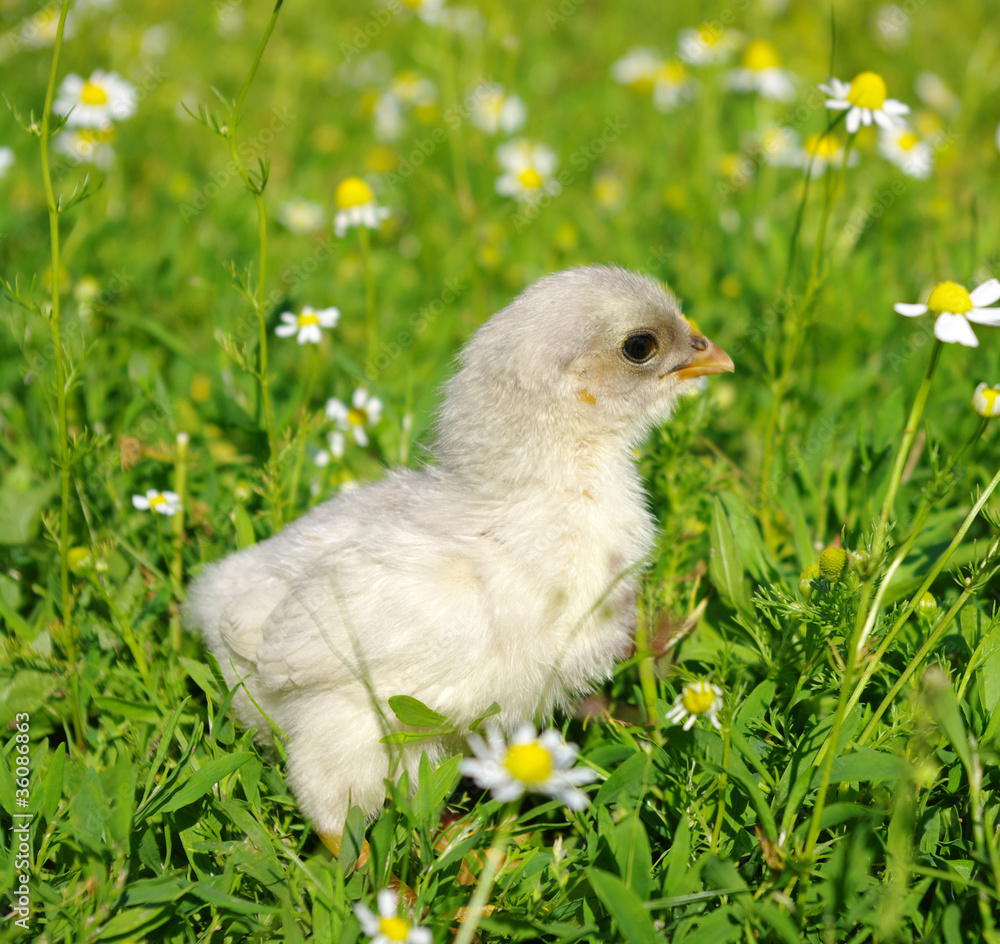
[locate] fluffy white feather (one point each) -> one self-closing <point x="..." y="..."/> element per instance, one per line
<point x="505" y="573"/>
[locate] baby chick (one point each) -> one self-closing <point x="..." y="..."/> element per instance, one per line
<point x="505" y="573"/>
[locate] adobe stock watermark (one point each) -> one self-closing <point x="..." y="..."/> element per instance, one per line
<point x="418" y="323"/>
<point x="884" y="199"/>
<point x="20" y="843"/>
<point x="249" y="150"/>
<point x="454" y="115"/>
<point x="365" y="35"/>
<point x="559" y="14"/>
<point x="579" y="160"/>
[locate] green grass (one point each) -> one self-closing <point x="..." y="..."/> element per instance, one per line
<point x="808" y="817"/>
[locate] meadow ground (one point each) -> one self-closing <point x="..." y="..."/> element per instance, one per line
<point x="850" y="790"/>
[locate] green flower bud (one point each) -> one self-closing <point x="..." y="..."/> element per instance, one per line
<point x="832" y="563"/>
<point x="79" y="560"/>
<point x="926" y="608"/>
<point x="806" y="578"/>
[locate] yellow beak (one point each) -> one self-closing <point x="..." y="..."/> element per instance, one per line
<point x="708" y="359"/>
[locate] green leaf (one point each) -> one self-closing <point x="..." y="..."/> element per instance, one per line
<point x="626" y="779"/>
<point x="625" y="908"/>
<point x="353" y="839"/>
<point x="245" y="536"/>
<point x="126" y="923"/>
<point x="677" y="858"/>
<point x="21" y="504"/>
<point x="635" y="859"/>
<point x="726" y="567"/>
<point x="494" y="709"/>
<point x="199" y="784"/>
<point x="415" y="713"/>
<point x="866" y="765"/>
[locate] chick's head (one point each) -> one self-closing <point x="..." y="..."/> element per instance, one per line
<point x="585" y="354"/>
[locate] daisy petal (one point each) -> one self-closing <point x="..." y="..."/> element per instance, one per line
<point x="387" y="903"/>
<point x="853" y="121"/>
<point x="985" y="294"/>
<point x="140" y="502"/>
<point x="984" y="316"/>
<point x="892" y="106"/>
<point x="954" y="329"/>
<point x="285" y="330"/>
<point x="910" y="311"/>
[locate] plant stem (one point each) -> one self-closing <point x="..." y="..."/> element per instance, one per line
<point x="494" y="856"/>
<point x="257" y="189"/>
<point x="177" y="560"/>
<point x="720" y="814"/>
<point x="939" y="565"/>
<point x="895" y="477"/>
<point x="68" y="633"/>
<point x="371" y="322"/>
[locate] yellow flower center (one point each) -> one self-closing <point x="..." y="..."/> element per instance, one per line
<point x="156" y="501"/>
<point x="394" y="928"/>
<point x="93" y="95"/>
<point x="950" y="297"/>
<point x="356" y="416"/>
<point x="697" y="699"/>
<point x="760" y="55"/>
<point x="985" y="404"/>
<point x="530" y="178"/>
<point x="643" y="85"/>
<point x="822" y="145"/>
<point x="908" y="140"/>
<point x="672" y="72"/>
<point x="529" y="763"/>
<point x="867" y="91"/>
<point x="709" y="35"/>
<point x="308" y="317"/>
<point x="352" y="192"/>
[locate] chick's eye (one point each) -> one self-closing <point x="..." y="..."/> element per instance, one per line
<point x="640" y="347"/>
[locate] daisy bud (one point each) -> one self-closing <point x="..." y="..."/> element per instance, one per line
<point x="79" y="560"/>
<point x="927" y="608"/>
<point x="832" y="562"/>
<point x="986" y="401"/>
<point x="806" y="579"/>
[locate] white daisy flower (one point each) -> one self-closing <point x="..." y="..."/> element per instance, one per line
<point x="95" y="102"/>
<point x="163" y="503"/>
<point x="40" y="30"/>
<point x="696" y="699"/>
<point x="307" y="324"/>
<point x="301" y="216"/>
<point x="496" y="111"/>
<point x="6" y="159"/>
<point x="430" y="11"/>
<point x="672" y="85"/>
<point x="87" y="145"/>
<point x="823" y="150"/>
<point x="530" y="763"/>
<point x="387" y="926"/>
<point x="903" y="147"/>
<point x="864" y="97"/>
<point x="707" y="45"/>
<point x="409" y="89"/>
<point x="637" y="69"/>
<point x="356" y="206"/>
<point x="779" y="146"/>
<point x="413" y="89"/>
<point x="955" y="308"/>
<point x="365" y="410"/>
<point x="761" y="72"/>
<point x="932" y="90"/>
<point x="986" y="400"/>
<point x="528" y="170"/>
